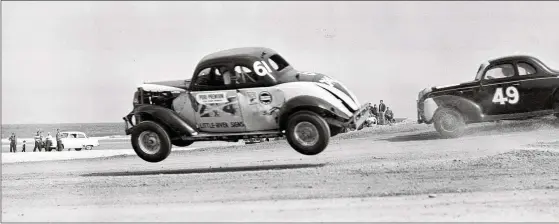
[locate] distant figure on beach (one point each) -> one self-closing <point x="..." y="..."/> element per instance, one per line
<point x="381" y="112"/>
<point x="23" y="146"/>
<point x="58" y="140"/>
<point x="48" y="142"/>
<point x="37" y="142"/>
<point x="13" y="143"/>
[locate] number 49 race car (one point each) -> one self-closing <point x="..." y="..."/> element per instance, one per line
<point x="242" y="93"/>
<point x="506" y="88"/>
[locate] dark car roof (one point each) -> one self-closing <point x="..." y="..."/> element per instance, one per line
<point x="513" y="57"/>
<point x="239" y="52"/>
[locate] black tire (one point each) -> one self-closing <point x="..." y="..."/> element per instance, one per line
<point x="78" y="149"/>
<point x="312" y="120"/>
<point x="88" y="147"/>
<point x="158" y="135"/>
<point x="181" y="143"/>
<point x="449" y="123"/>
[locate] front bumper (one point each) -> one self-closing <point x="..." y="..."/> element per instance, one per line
<point x="360" y="116"/>
<point x="128" y="123"/>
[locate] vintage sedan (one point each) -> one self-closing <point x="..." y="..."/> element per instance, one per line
<point x="242" y="93"/>
<point x="506" y="88"/>
<point x="77" y="140"/>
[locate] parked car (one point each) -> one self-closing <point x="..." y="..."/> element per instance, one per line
<point x="242" y="93"/>
<point x="76" y="140"/>
<point x="506" y="88"/>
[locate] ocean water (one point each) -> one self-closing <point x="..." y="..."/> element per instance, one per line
<point x="90" y="129"/>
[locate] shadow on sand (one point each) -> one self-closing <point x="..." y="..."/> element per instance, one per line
<point x="208" y="170"/>
<point x="490" y="128"/>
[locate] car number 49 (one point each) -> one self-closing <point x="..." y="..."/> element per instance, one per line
<point x="511" y="97"/>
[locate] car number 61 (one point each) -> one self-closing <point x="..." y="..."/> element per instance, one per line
<point x="511" y="93"/>
<point x="261" y="68"/>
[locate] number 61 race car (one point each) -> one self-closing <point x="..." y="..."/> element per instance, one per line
<point x="242" y="93"/>
<point x="507" y="88"/>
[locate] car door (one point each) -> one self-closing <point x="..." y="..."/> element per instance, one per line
<point x="537" y="85"/>
<point x="215" y="101"/>
<point x="69" y="140"/>
<point x="500" y="92"/>
<point x="260" y="103"/>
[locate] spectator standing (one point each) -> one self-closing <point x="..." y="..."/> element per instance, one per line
<point x="58" y="140"/>
<point x="13" y="143"/>
<point x="23" y="146"/>
<point x="37" y="142"/>
<point x="48" y="142"/>
<point x="374" y="111"/>
<point x="381" y="110"/>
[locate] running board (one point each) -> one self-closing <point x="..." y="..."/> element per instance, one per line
<point x="229" y="136"/>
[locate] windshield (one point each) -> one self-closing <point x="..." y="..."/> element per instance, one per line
<point x="480" y="70"/>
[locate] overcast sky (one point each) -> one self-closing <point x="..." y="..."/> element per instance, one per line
<point x="66" y="62"/>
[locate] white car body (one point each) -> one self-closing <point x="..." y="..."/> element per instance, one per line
<point x="76" y="140"/>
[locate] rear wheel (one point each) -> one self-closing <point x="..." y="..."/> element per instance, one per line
<point x="78" y="149"/>
<point x="151" y="142"/>
<point x="88" y="147"/>
<point x="307" y="133"/>
<point x="449" y="123"/>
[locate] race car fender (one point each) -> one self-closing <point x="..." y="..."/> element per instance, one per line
<point x="470" y="110"/>
<point x="311" y="103"/>
<point x="168" y="118"/>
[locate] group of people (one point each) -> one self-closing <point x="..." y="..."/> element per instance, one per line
<point x="40" y="142"/>
<point x="382" y="113"/>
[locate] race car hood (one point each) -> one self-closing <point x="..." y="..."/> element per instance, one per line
<point x="331" y="85"/>
<point x="181" y="84"/>
<point x="455" y="86"/>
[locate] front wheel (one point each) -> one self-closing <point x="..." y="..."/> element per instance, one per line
<point x="449" y="123"/>
<point x="151" y="142"/>
<point x="307" y="133"/>
<point x="88" y="147"/>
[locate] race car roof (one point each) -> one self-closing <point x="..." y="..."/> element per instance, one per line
<point x="239" y="52"/>
<point x="513" y="57"/>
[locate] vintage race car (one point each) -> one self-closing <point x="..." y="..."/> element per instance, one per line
<point x="242" y="93"/>
<point x="506" y="88"/>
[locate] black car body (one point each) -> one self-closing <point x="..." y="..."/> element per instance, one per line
<point x="506" y="88"/>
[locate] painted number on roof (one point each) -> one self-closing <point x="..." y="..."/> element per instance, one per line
<point x="511" y="93"/>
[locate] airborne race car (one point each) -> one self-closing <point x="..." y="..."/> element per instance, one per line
<point x="242" y="93"/>
<point x="507" y="88"/>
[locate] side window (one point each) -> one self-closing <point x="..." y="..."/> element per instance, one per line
<point x="525" y="69"/>
<point x="81" y="136"/>
<point x="500" y="71"/>
<point x="277" y="62"/>
<point x="217" y="76"/>
<point x="244" y="75"/>
<point x="64" y="135"/>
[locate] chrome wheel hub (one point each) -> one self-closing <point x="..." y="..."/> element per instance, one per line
<point x="149" y="142"/>
<point x="448" y="123"/>
<point x="306" y="133"/>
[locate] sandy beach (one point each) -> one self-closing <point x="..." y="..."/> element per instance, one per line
<point x="498" y="172"/>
